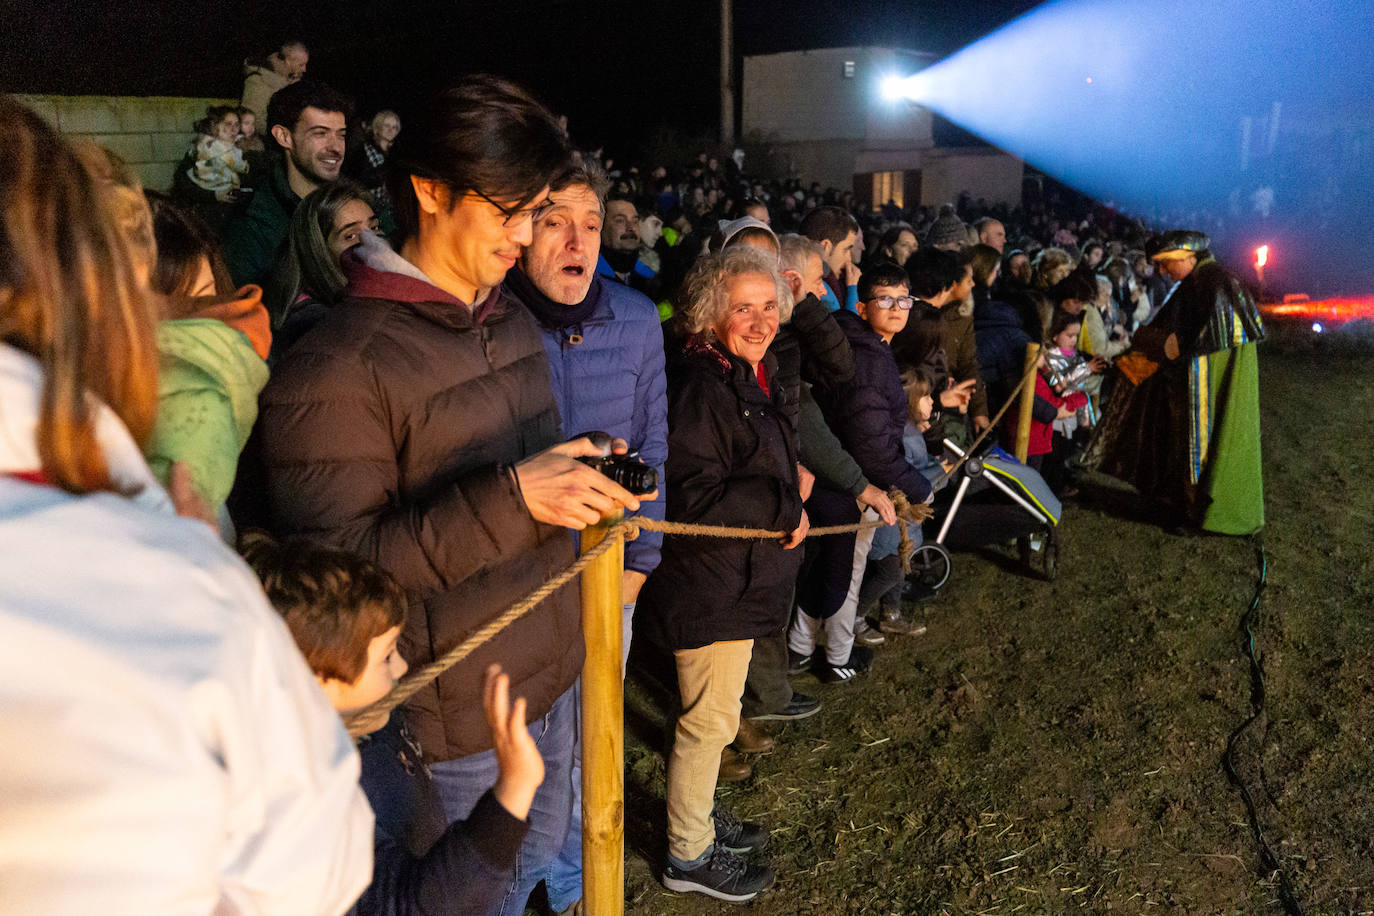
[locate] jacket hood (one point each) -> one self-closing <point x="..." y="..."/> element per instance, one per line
<point x="21" y="387"/>
<point x="194" y="348"/>
<point x="243" y="311"/>
<point x="375" y="271"/>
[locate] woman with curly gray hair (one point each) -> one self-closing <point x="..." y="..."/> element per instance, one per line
<point x="731" y="461"/>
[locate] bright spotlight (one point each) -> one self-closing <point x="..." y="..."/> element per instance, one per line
<point x="893" y="88"/>
<point x="1317" y="327"/>
<point x="1261" y="255"/>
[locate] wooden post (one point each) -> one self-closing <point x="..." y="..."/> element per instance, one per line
<point x="603" y="729"/>
<point x="1023" y="422"/>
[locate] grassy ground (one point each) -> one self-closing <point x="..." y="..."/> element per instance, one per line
<point x="1049" y="748"/>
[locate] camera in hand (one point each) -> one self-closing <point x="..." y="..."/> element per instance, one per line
<point x="632" y="474"/>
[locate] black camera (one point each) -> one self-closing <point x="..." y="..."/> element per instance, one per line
<point x="634" y="475"/>
<point x="626" y="470"/>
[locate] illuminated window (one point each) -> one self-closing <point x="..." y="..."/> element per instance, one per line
<point x="849" y="69"/>
<point x="887" y="186"/>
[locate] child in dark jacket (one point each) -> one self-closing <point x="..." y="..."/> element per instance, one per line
<point x="346" y="616"/>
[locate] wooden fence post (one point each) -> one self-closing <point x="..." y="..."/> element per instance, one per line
<point x="603" y="729"/>
<point x="1027" y="402"/>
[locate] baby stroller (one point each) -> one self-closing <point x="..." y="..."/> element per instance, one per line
<point x="978" y="515"/>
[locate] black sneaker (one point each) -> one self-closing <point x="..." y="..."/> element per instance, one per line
<point x="738" y="836"/>
<point x="800" y="706"/>
<point x="725" y="876"/>
<point x="797" y="663"/>
<point x="860" y="660"/>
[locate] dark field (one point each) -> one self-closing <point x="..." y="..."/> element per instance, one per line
<point x="1049" y="748"/>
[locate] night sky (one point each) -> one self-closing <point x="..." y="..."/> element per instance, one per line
<point x="619" y="69"/>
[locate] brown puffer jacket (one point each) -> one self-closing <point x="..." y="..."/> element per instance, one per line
<point x="389" y="430"/>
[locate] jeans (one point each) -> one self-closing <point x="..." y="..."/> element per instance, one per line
<point x="563" y="880"/>
<point x="462" y="782"/>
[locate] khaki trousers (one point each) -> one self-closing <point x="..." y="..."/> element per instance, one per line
<point x="711" y="682"/>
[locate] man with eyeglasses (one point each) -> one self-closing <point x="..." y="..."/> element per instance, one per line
<point x="868" y="416"/>
<point x="416" y="425"/>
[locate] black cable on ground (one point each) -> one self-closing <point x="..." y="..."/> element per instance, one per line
<point x="1248" y="622"/>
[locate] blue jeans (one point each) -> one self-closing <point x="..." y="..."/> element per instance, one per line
<point x="564" y="878"/>
<point x="462" y="782"/>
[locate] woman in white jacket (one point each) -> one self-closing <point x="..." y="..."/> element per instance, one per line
<point x="166" y="750"/>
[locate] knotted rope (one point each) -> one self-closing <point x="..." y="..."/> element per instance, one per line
<point x="371" y="718"/>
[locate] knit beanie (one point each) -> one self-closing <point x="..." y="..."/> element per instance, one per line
<point x="947" y="230"/>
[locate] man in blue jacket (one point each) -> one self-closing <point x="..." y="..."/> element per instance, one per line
<point x="605" y="350"/>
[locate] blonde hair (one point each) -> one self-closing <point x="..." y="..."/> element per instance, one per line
<point x="704" y="298"/>
<point x="1049" y="267"/>
<point x="70" y="300"/>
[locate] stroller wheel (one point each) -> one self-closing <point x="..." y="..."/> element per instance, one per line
<point x="1040" y="553"/>
<point x="1049" y="560"/>
<point x="931" y="565"/>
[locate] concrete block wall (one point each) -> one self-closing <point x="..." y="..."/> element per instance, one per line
<point x="151" y="134"/>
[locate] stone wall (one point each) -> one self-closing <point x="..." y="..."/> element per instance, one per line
<point x="151" y="134"/>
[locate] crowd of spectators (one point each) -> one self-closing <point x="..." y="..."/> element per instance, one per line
<point x="452" y="310"/>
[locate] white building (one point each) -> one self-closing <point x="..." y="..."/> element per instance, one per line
<point x="824" y="110"/>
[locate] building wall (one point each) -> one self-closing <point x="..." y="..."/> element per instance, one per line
<point x="987" y="173"/>
<point x="803" y="96"/>
<point x="151" y="134"/>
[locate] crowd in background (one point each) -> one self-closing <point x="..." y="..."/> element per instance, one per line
<point x="385" y="362"/>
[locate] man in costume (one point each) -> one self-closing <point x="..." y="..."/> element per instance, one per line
<point x="1182" y="423"/>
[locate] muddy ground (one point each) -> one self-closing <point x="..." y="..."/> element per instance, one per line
<point x="1052" y="748"/>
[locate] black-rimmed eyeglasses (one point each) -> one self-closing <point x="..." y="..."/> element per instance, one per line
<point x="516" y="216"/>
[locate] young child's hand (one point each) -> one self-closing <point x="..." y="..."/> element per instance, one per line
<point x="522" y="769"/>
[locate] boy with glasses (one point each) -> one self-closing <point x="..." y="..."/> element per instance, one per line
<point x="868" y="416"/>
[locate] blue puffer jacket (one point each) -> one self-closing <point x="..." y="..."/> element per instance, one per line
<point x="613" y="381"/>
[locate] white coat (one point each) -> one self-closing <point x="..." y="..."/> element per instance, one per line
<point x="163" y="747"/>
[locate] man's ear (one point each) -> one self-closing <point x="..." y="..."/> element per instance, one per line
<point x="282" y="136"/>
<point x="827" y="247"/>
<point x="433" y="196"/>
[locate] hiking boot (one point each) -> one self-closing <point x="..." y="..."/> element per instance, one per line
<point x="800" y="706"/>
<point x="797" y="663"/>
<point x="865" y="635"/>
<point x="738" y="836"/>
<point x="860" y="660"/>
<point x="724" y="876"/>
<point x="894" y="623"/>
<point x="733" y="766"/>
<point x="750" y="739"/>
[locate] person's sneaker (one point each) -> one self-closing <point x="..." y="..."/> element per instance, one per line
<point x="733" y="766"/>
<point x="725" y="876"/>
<point x="860" y="660"/>
<point x="894" y="623"/>
<point x="797" y="663"/>
<point x="865" y="635"/>
<point x="736" y="835"/>
<point x="800" y="706"/>
<point x="750" y="739"/>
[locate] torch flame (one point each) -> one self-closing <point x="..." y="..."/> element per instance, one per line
<point x="1261" y="255"/>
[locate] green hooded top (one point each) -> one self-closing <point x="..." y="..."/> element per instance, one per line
<point x="210" y="376"/>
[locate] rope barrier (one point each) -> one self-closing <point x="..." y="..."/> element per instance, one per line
<point x="373" y="717"/>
